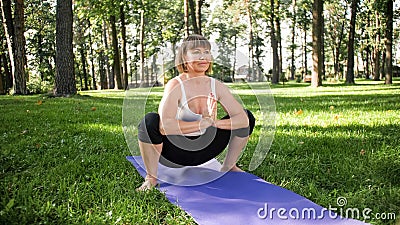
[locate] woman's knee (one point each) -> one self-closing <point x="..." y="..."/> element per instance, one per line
<point x="244" y="132"/>
<point x="252" y="120"/>
<point x="148" y="129"/>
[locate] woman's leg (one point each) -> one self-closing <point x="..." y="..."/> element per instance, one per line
<point x="237" y="143"/>
<point x="150" y="155"/>
<point x="150" y="145"/>
<point x="235" y="147"/>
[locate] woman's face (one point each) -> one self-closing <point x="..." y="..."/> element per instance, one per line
<point x="198" y="59"/>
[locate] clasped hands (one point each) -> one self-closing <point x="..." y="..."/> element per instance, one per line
<point x="210" y="115"/>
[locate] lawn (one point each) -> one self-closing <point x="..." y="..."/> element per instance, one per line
<point x="62" y="160"/>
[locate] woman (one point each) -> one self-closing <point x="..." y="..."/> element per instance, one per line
<point x="186" y="131"/>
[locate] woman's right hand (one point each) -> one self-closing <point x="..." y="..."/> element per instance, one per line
<point x="205" y="123"/>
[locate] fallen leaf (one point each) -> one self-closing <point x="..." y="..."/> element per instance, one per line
<point x="39" y="102"/>
<point x="299" y="112"/>
<point x="93" y="109"/>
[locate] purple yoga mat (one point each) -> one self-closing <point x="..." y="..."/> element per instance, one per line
<point x="239" y="198"/>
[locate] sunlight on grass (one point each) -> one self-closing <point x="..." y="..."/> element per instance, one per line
<point x="62" y="160"/>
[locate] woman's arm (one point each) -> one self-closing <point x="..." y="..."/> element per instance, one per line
<point x="238" y="117"/>
<point x="167" y="110"/>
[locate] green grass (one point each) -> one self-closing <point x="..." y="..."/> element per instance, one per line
<point x="62" y="160"/>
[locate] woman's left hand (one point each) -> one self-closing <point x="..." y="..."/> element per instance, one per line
<point x="211" y="106"/>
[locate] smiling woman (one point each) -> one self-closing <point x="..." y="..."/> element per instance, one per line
<point x="196" y="51"/>
<point x="186" y="131"/>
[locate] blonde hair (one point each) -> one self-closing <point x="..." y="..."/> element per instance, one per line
<point x="191" y="42"/>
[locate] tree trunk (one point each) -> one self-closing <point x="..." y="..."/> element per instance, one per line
<point x="305" y="50"/>
<point x="279" y="38"/>
<point x="186" y="17"/>
<point x="251" y="42"/>
<point x="142" y="79"/>
<point x="84" y="67"/>
<point x="193" y="16"/>
<point x="293" y="44"/>
<point x="350" y="46"/>
<point x="234" y="58"/>
<point x="65" y="83"/>
<point x="1" y="76"/>
<point x="199" y="4"/>
<point x="20" y="56"/>
<point x="377" y="53"/>
<point x="7" y="71"/>
<point x="274" y="45"/>
<point x="102" y="71"/>
<point x="109" y="74"/>
<point x="8" y="25"/>
<point x="124" y="51"/>
<point x="116" y="55"/>
<point x="337" y="52"/>
<point x="318" y="20"/>
<point x="94" y="85"/>
<point x="389" y="42"/>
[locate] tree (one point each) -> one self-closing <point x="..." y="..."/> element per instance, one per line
<point x="6" y="13"/>
<point x="350" y="44"/>
<point x="389" y="42"/>
<point x="318" y="20"/>
<point x="186" y="17"/>
<point x="293" y="45"/>
<point x="336" y="12"/>
<point x="274" y="45"/>
<point x="14" y="32"/>
<point x="65" y="84"/>
<point x="304" y="19"/>
<point x="124" y="48"/>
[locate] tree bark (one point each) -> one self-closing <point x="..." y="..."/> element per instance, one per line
<point x="316" y="78"/>
<point x="350" y="45"/>
<point x="8" y="25"/>
<point x="124" y="51"/>
<point x="199" y="4"/>
<point x="251" y="42"/>
<point x="337" y="51"/>
<point x="1" y="76"/>
<point x="7" y="71"/>
<point x="305" y="52"/>
<point x="186" y="17"/>
<point x="116" y="54"/>
<point x="377" y="53"/>
<point x="193" y="16"/>
<point x="274" y="45"/>
<point x="279" y="38"/>
<point x="84" y="67"/>
<point x="94" y="85"/>
<point x="65" y="84"/>
<point x="389" y="42"/>
<point x="19" y="53"/>
<point x="293" y="44"/>
<point x="109" y="79"/>
<point x="142" y="74"/>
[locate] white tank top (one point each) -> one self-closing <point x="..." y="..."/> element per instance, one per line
<point x="184" y="113"/>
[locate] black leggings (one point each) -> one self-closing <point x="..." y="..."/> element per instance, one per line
<point x="179" y="150"/>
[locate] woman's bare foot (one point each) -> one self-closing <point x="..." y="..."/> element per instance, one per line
<point x="149" y="183"/>
<point x="233" y="169"/>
